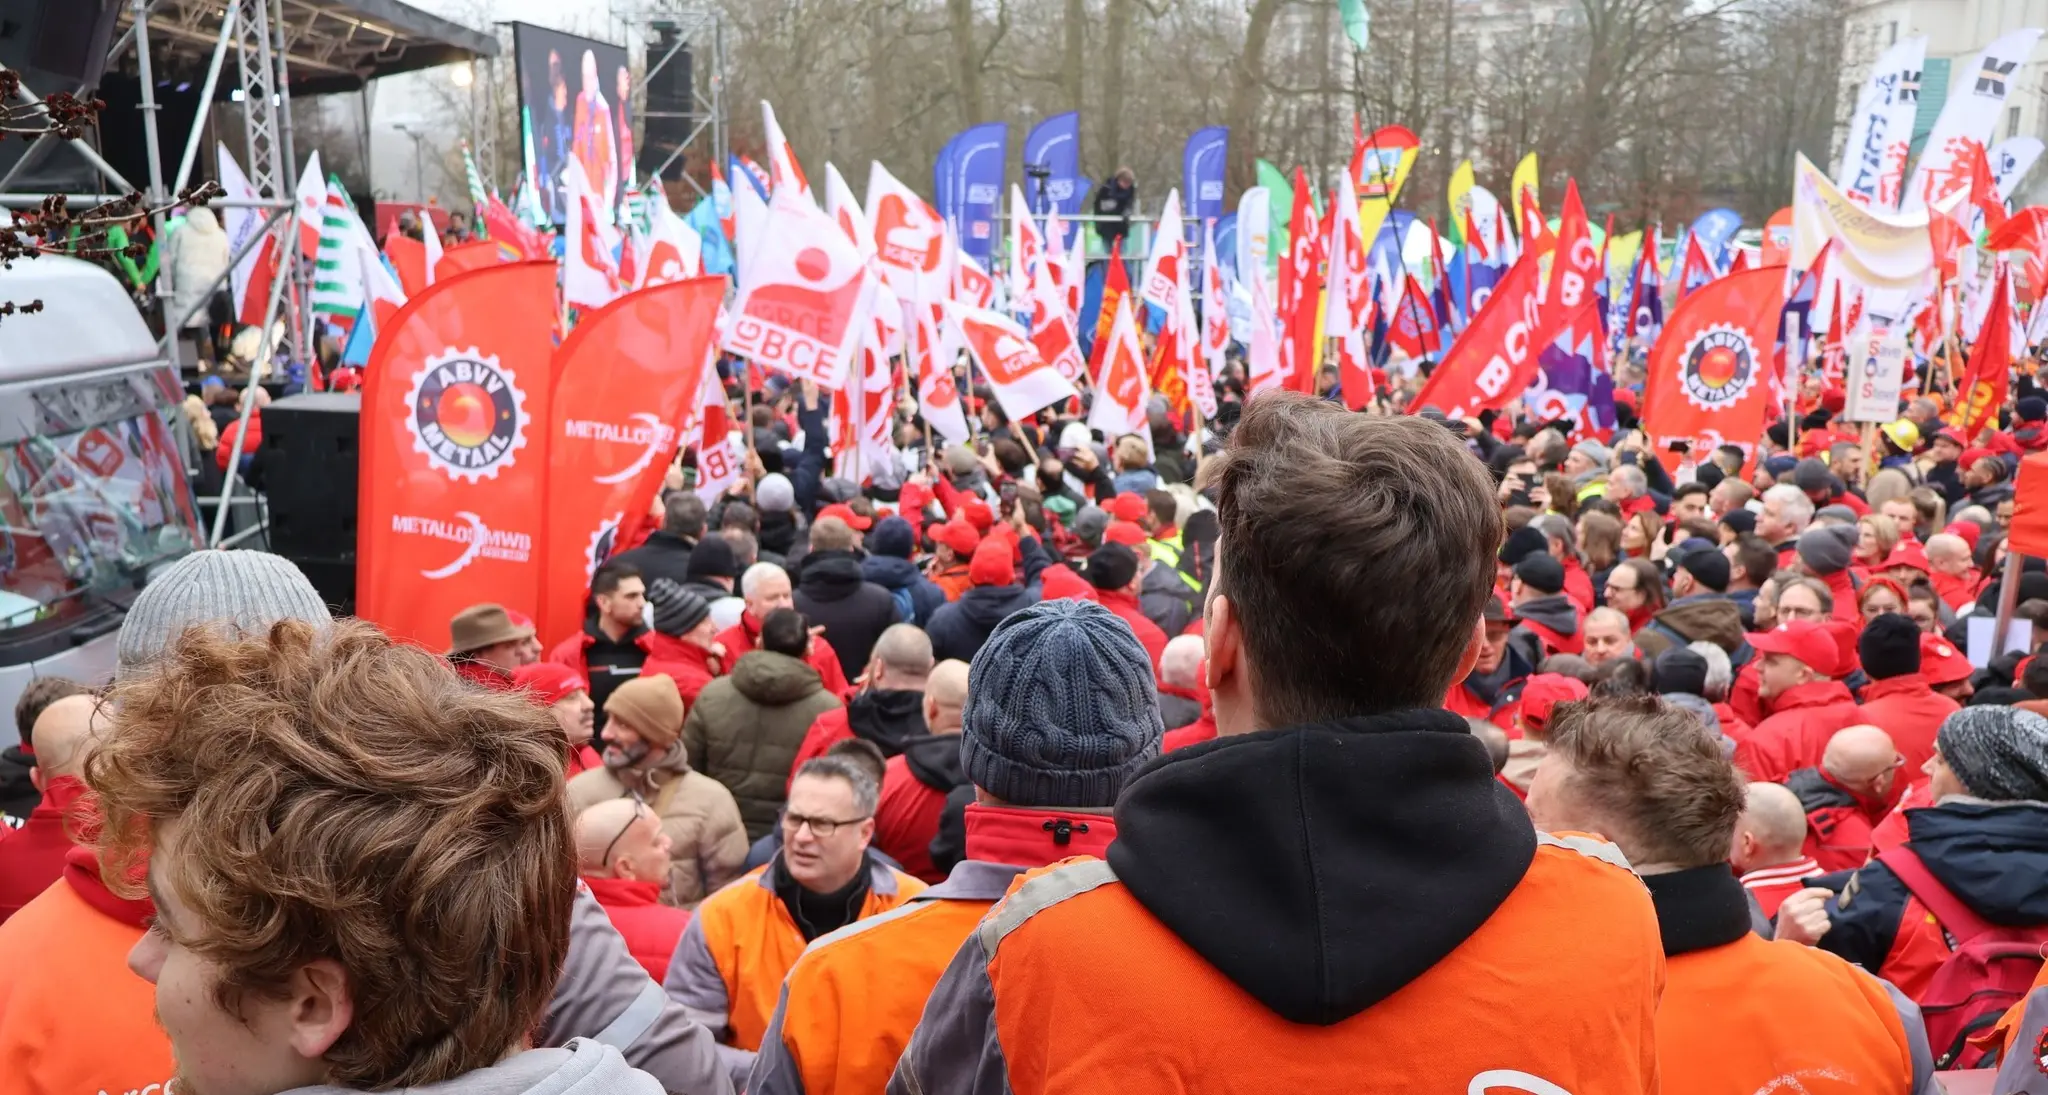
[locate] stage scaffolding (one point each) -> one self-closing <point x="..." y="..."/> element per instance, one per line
<point x="700" y="29"/>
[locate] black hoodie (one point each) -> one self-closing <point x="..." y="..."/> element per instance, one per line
<point x="18" y="796"/>
<point x="1324" y="867"/>
<point x="890" y="718"/>
<point x="854" y="612"/>
<point x="958" y="629"/>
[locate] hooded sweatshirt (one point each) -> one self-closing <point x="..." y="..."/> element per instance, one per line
<point x="1351" y="905"/>
<point x="915" y="784"/>
<point x="582" y="1067"/>
<point x="958" y="630"/>
<point x="18" y="796"/>
<point x="1554" y="622"/>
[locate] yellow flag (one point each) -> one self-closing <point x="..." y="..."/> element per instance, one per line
<point x="1523" y="188"/>
<point x="1459" y="196"/>
<point x="1378" y="168"/>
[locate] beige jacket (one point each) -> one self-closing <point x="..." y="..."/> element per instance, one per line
<point x="705" y="833"/>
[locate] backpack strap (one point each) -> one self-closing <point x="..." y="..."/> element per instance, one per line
<point x="1958" y="919"/>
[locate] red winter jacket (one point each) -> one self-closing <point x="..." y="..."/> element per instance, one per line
<point x="1796" y="731"/>
<point x="1578" y="586"/>
<point x="483" y="675"/>
<point x="689" y="665"/>
<point x="1910" y="710"/>
<point x="1742" y="695"/>
<point x="574" y="650"/>
<point x="1956" y="591"/>
<point x="1125" y="605"/>
<point x="907" y="818"/>
<point x="1838" y="820"/>
<point x="32" y="856"/>
<point x="651" y="928"/>
<point x="1843" y="588"/>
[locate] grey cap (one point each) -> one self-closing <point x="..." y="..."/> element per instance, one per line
<point x="1089" y="523"/>
<point x="1828" y="550"/>
<point x="239" y="591"/>
<point x="1998" y="753"/>
<point x="1061" y="708"/>
<point x="1594" y="451"/>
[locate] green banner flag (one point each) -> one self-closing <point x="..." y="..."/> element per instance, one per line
<point x="1282" y="189"/>
<point x="1357" y="22"/>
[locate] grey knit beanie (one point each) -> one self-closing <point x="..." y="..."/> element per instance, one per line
<point x="241" y="591"/>
<point x="1998" y="753"/>
<point x="1828" y="550"/>
<point x="677" y="611"/>
<point x="1061" y="708"/>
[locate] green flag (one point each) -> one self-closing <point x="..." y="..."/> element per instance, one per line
<point x="1276" y="181"/>
<point x="1357" y="22"/>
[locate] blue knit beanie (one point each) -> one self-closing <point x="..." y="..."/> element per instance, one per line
<point x="891" y="537"/>
<point x="1061" y="708"/>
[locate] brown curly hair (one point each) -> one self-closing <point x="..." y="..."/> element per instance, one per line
<point x="344" y="796"/>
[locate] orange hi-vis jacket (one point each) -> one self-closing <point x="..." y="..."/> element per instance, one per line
<point x="850" y="1003"/>
<point x="1743" y="1014"/>
<point x="1071" y="986"/>
<point x="727" y="972"/>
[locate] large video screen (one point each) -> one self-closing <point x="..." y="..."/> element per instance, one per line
<point x="575" y="99"/>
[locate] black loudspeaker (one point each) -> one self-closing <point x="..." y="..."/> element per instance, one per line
<point x="670" y="109"/>
<point x="57" y="45"/>
<point x="308" y="464"/>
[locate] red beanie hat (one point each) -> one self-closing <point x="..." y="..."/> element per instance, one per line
<point x="991" y="565"/>
<point x="1123" y="532"/>
<point x="549" y="682"/>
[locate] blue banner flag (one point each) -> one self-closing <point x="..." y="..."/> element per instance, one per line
<point x="1202" y="164"/>
<point x="970" y="176"/>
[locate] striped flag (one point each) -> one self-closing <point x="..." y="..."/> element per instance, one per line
<point x="348" y="273"/>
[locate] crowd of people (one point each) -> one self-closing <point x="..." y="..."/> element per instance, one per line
<point x="1054" y="764"/>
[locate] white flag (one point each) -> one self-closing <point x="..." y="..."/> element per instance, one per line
<point x="1254" y="232"/>
<point x="804" y="308"/>
<point x="311" y="195"/>
<point x="843" y="208"/>
<point x="1168" y="252"/>
<point x="1119" y="406"/>
<point x="1967" y="118"/>
<point x="590" y="268"/>
<point x="2011" y="159"/>
<point x="1874" y="155"/>
<point x="241" y="224"/>
<point x="783" y="170"/>
<point x="1023" y="382"/>
<point x="909" y="239"/>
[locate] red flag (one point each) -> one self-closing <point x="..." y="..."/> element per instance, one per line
<point x="1984" y="188"/>
<point x="1707" y="383"/>
<point x="409" y="259"/>
<point x="1698" y="269"/>
<point x="1740" y="262"/>
<point x="256" y="299"/>
<point x="1116" y="285"/>
<point x="622" y="379"/>
<point x="2026" y="232"/>
<point x="1300" y="356"/>
<point x="1494" y="360"/>
<point x="1414" y="325"/>
<point x="455" y="452"/>
<point x="474" y="255"/>
<point x="1984" y="383"/>
<point x="505" y="228"/>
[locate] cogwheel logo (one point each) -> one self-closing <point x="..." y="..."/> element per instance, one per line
<point x="467" y="416"/>
<point x="603" y="543"/>
<point x="1717" y="367"/>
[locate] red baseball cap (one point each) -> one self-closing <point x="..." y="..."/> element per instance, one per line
<point x="1951" y="435"/>
<point x="549" y="682"/>
<point x="1123" y="532"/>
<point x="1128" y="506"/>
<point x="1941" y="662"/>
<point x="1970" y="457"/>
<point x="991" y="565"/>
<point x="845" y="513"/>
<point x="976" y="512"/>
<point x="958" y="535"/>
<point x="1545" y="691"/>
<point x="1811" y="643"/>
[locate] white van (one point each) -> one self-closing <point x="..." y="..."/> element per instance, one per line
<point x="93" y="487"/>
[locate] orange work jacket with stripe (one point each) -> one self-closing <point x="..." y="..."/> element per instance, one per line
<point x="1075" y="988"/>
<point x="850" y="1003"/>
<point x="727" y="971"/>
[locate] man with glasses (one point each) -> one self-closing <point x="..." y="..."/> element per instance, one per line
<point x="1847" y="794"/>
<point x="727" y="972"/>
<point x="623" y="858"/>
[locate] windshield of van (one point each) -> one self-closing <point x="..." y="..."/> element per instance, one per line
<point x="92" y="497"/>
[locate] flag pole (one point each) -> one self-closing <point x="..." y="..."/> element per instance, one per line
<point x="265" y="351"/>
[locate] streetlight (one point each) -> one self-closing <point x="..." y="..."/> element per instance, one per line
<point x="418" y="133"/>
<point x="461" y="75"/>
